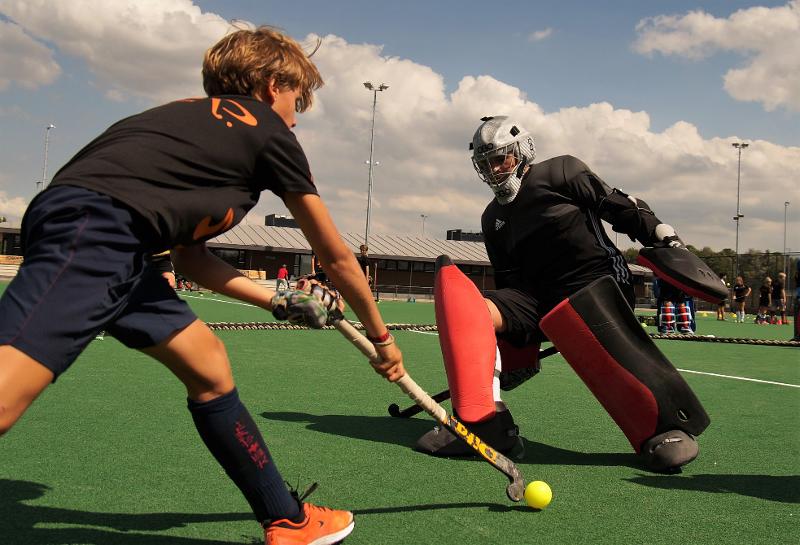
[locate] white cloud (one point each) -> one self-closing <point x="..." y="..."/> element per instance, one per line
<point x="151" y="49"/>
<point x="768" y="38"/>
<point x="23" y="60"/>
<point x="422" y="135"/>
<point x="540" y="35"/>
<point x="12" y="208"/>
<point x="422" y="131"/>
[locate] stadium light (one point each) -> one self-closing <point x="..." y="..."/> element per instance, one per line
<point x="41" y="184"/>
<point x="739" y="146"/>
<point x="425" y="216"/>
<point x="370" y="87"/>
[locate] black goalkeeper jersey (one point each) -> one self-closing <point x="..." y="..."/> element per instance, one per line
<point x="549" y="240"/>
<point x="193" y="168"/>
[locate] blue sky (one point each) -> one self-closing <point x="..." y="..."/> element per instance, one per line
<point x="649" y="94"/>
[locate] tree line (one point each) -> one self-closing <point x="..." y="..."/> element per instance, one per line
<point x="754" y="266"/>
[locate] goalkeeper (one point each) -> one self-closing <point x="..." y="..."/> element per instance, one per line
<point x="558" y="278"/>
<point x="171" y="178"/>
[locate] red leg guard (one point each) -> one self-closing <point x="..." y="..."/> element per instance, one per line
<point x="467" y="338"/>
<point x="640" y="389"/>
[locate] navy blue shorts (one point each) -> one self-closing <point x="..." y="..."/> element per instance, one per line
<point x="522" y="312"/>
<point x="86" y="269"/>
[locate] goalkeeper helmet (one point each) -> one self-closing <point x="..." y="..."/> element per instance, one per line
<point x="501" y="152"/>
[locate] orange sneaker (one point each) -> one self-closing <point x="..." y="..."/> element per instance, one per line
<point x="322" y="526"/>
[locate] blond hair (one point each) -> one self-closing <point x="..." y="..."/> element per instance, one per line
<point x="247" y="60"/>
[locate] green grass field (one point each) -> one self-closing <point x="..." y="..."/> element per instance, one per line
<point x="108" y="455"/>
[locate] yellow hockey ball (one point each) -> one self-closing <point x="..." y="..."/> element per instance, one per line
<point x="538" y="495"/>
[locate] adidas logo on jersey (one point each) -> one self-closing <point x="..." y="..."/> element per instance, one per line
<point x="498" y="224"/>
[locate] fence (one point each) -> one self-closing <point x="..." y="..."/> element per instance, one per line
<point x="399" y="292"/>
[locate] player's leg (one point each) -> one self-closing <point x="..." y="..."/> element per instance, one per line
<point x="79" y="258"/>
<point x="466" y="327"/>
<point x="198" y="358"/>
<point x="599" y="336"/>
<point x="22" y="379"/>
<point x="161" y="325"/>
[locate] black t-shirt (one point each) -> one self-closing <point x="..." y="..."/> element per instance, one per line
<point x="764" y="293"/>
<point x="365" y="266"/>
<point x="739" y="292"/>
<point x="549" y="240"/>
<point x="193" y="168"/>
<point x="777" y="291"/>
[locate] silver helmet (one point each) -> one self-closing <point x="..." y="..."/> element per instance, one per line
<point x="501" y="152"/>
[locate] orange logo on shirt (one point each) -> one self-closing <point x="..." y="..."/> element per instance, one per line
<point x="242" y="114"/>
<point x="205" y="230"/>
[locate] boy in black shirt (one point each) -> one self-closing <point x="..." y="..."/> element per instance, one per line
<point x="777" y="310"/>
<point x="171" y="178"/>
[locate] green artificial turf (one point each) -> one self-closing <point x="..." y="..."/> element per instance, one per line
<point x="108" y="455"/>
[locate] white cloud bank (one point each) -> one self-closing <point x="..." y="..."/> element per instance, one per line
<point x="768" y="38"/>
<point x="422" y="132"/>
<point x="150" y="49"/>
<point x="11" y="208"/>
<point x="23" y="60"/>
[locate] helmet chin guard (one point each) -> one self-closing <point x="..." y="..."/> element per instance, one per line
<point x="501" y="152"/>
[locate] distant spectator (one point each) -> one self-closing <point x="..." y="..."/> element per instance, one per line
<point x="741" y="292"/>
<point x="317" y="270"/>
<point x="282" y="278"/>
<point x="368" y="267"/>
<point x="764" y="301"/>
<point x="675" y="311"/>
<point x="777" y="309"/>
<point x="721" y="306"/>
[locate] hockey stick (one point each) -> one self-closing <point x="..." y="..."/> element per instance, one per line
<point x="444" y="395"/>
<point x="516" y="486"/>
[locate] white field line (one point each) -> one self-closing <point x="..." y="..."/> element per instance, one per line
<point x="217" y="300"/>
<point x="690" y="371"/>
<point x="740" y="378"/>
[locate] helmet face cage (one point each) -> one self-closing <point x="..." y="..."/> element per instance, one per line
<point x="489" y="173"/>
<point x="495" y="140"/>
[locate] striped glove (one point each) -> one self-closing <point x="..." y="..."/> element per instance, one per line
<point x="313" y="305"/>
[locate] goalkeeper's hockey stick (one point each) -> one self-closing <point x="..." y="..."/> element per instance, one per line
<point x="516" y="486"/>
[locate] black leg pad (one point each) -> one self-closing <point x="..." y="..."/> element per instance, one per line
<point x="640" y="389"/>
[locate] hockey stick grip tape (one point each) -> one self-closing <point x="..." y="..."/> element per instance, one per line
<point x="406" y="383"/>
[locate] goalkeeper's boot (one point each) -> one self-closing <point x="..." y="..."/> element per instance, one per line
<point x="667" y="452"/>
<point x="321" y="526"/>
<point x="499" y="432"/>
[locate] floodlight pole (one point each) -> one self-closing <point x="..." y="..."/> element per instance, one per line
<point x="41" y="184"/>
<point x="425" y="216"/>
<point x="375" y="90"/>
<point x="739" y="146"/>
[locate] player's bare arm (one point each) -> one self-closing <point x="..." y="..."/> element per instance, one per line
<point x="313" y="218"/>
<point x="197" y="263"/>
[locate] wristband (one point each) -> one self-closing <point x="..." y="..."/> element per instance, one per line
<point x="380" y="339"/>
<point x="387" y="342"/>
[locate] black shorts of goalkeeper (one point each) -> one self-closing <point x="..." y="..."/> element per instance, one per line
<point x="86" y="269"/>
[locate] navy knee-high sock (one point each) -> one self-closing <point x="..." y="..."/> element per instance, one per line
<point x="229" y="432"/>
